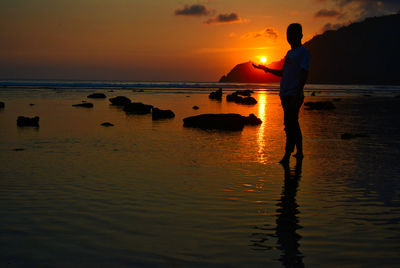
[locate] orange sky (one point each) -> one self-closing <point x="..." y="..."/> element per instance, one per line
<point x="155" y="40"/>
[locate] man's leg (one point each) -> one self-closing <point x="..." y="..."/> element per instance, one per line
<point x="292" y="127"/>
<point x="299" y="137"/>
<point x="288" y="121"/>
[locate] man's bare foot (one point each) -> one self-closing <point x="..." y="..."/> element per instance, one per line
<point x="285" y="159"/>
<point x="299" y="155"/>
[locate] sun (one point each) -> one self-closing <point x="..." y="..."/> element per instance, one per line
<point x="263" y="59"/>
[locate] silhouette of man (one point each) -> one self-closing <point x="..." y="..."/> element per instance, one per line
<point x="294" y="76"/>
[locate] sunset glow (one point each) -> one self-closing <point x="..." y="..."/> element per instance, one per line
<point x="263" y="60"/>
<point x="141" y="40"/>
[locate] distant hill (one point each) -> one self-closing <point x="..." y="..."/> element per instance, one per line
<point x="246" y="73"/>
<point x="366" y="52"/>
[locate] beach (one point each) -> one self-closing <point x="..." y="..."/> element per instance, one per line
<point x="146" y="193"/>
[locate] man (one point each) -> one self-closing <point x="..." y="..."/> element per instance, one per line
<point x="294" y="76"/>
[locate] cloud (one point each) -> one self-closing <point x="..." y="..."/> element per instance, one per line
<point x="327" y="13"/>
<point x="330" y="26"/>
<point x="267" y="33"/>
<point x="225" y="19"/>
<point x="368" y="8"/>
<point x="193" y="10"/>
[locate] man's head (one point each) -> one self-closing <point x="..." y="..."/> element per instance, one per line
<point x="294" y="33"/>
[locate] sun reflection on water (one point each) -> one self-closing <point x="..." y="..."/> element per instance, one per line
<point x="262" y="104"/>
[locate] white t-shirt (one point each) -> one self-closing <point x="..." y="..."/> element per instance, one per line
<point x="295" y="60"/>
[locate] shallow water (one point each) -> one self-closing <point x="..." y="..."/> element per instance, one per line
<point x="156" y="194"/>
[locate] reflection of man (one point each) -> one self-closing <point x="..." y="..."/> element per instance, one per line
<point x="294" y="76"/>
<point x="287" y="221"/>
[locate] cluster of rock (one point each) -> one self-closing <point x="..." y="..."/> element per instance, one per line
<point x="233" y="122"/>
<point x="84" y="105"/>
<point x="28" y="121"/>
<point x="2" y="105"/>
<point x="107" y="124"/>
<point x="97" y="96"/>
<point x="319" y="105"/>
<point x="237" y="97"/>
<point x="140" y="108"/>
<point x="119" y="101"/>
<point x="216" y="95"/>
<point x="137" y="108"/>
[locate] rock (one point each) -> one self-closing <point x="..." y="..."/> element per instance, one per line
<point x="233" y="97"/>
<point x="2" y="105"/>
<point x="233" y="122"/>
<point x="216" y="95"/>
<point x="252" y="120"/>
<point x="246" y="92"/>
<point x="195" y="107"/>
<point x="336" y="99"/>
<point x="248" y="101"/>
<point x="120" y="101"/>
<point x="319" y="105"/>
<point x="162" y="114"/>
<point x="97" y="96"/>
<point x="107" y="124"/>
<point x="348" y="136"/>
<point x="137" y="108"/>
<point x="27" y="121"/>
<point x="19" y="149"/>
<point x="313" y="93"/>
<point x="31" y="104"/>
<point x="84" y="105"/>
<point x="240" y="100"/>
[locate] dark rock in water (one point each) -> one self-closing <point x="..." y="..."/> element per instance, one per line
<point x="97" y="96"/>
<point x="336" y="99"/>
<point x="313" y="93"/>
<point x="248" y="101"/>
<point x="348" y="136"/>
<point x="233" y="97"/>
<point x="84" y="105"/>
<point x="240" y="100"/>
<point x="319" y="105"/>
<point x="27" y="121"/>
<point x="107" y="124"/>
<point x="137" y="108"/>
<point x="195" y="107"/>
<point x="2" y="105"/>
<point x="120" y="101"/>
<point x="246" y="92"/>
<point x="216" y="95"/>
<point x="162" y="114"/>
<point x="234" y="122"/>
<point x="367" y="95"/>
<point x="31" y="104"/>
<point x="19" y="149"/>
<point x="397" y="97"/>
<point x="252" y="120"/>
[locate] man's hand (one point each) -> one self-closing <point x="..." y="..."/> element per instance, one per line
<point x="260" y="66"/>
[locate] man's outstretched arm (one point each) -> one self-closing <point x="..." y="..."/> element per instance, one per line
<point x="268" y="70"/>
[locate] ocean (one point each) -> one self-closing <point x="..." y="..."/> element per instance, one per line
<point x="147" y="193"/>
